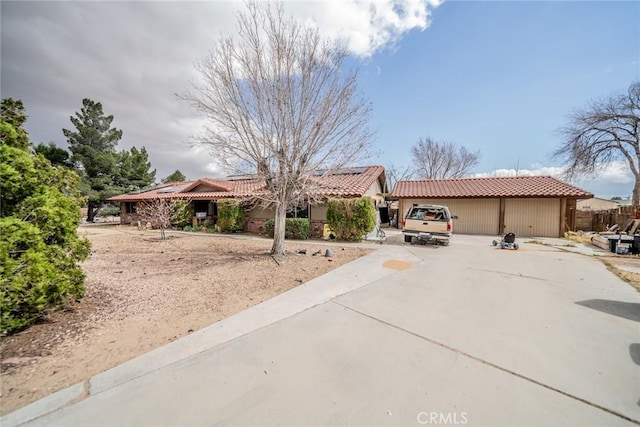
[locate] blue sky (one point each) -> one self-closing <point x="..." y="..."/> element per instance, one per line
<point x="499" y="77"/>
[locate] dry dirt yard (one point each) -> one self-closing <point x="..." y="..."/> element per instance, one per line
<point x="141" y="293"/>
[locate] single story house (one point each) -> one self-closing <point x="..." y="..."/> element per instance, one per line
<point x="597" y="204"/>
<point x="540" y="206"/>
<point x="204" y="193"/>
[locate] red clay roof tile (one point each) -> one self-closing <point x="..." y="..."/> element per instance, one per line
<point x="518" y="186"/>
<point x="346" y="183"/>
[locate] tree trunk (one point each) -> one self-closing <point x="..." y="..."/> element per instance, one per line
<point x="635" y="198"/>
<point x="279" y="229"/>
<point x="92" y="209"/>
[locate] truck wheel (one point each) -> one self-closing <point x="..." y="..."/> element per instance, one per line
<point x="515" y="246"/>
<point x="407" y="239"/>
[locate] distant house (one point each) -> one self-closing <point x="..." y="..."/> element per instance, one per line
<point x="204" y="194"/>
<point x="597" y="204"/>
<point x="526" y="205"/>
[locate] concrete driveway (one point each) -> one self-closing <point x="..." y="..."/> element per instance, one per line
<point x="410" y="335"/>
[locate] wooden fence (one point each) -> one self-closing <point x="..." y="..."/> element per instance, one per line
<point x="601" y="220"/>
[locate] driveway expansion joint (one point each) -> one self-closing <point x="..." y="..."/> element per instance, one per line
<point x="492" y="365"/>
<point x="519" y="275"/>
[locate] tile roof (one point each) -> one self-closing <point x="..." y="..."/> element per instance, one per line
<point x="217" y="184"/>
<point x="517" y="186"/>
<point x="349" y="182"/>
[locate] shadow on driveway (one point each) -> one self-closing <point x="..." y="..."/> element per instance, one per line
<point x="627" y="310"/>
<point x="634" y="351"/>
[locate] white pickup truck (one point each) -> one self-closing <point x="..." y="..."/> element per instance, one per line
<point x="428" y="223"/>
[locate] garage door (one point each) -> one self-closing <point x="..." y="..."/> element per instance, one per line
<point x="532" y="217"/>
<point x="475" y="216"/>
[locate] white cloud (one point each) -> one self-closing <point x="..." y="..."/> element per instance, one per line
<point x="612" y="179"/>
<point x="54" y="54"/>
<point x="616" y="172"/>
<point x="368" y="25"/>
<point x="535" y="170"/>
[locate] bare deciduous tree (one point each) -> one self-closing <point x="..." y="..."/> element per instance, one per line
<point x="395" y="174"/>
<point x="281" y="99"/>
<point x="442" y="160"/>
<point x="605" y="131"/>
<point x="163" y="212"/>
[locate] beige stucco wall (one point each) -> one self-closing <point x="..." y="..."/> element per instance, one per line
<point x="375" y="192"/>
<point x="201" y="189"/>
<point x="475" y="216"/>
<point x="532" y="217"/>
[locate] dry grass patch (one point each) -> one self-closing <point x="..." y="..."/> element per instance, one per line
<point x="613" y="263"/>
<point x="579" y="237"/>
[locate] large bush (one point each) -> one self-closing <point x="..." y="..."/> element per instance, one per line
<point x="182" y="213"/>
<point x="295" y="228"/>
<point x="351" y="219"/>
<point x="39" y="244"/>
<point x="230" y="215"/>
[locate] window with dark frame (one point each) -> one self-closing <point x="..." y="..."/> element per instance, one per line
<point x="201" y="206"/>
<point x="299" y="212"/>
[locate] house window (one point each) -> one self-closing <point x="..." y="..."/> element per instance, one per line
<point x="130" y="207"/>
<point x="201" y="206"/>
<point x="299" y="212"/>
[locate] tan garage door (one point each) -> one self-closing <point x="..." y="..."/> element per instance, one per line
<point x="475" y="216"/>
<point x="532" y="217"/>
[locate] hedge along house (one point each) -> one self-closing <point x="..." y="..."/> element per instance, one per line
<point x="540" y="206"/>
<point x="204" y="194"/>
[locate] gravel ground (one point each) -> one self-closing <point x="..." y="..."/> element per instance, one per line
<point x="141" y="293"/>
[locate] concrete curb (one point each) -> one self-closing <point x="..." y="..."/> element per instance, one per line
<point x="43" y="406"/>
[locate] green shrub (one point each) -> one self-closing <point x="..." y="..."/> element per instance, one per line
<point x="351" y="219"/>
<point x="294" y="228"/>
<point x="39" y="243"/>
<point x="270" y="225"/>
<point x="230" y="216"/>
<point x="182" y="214"/>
